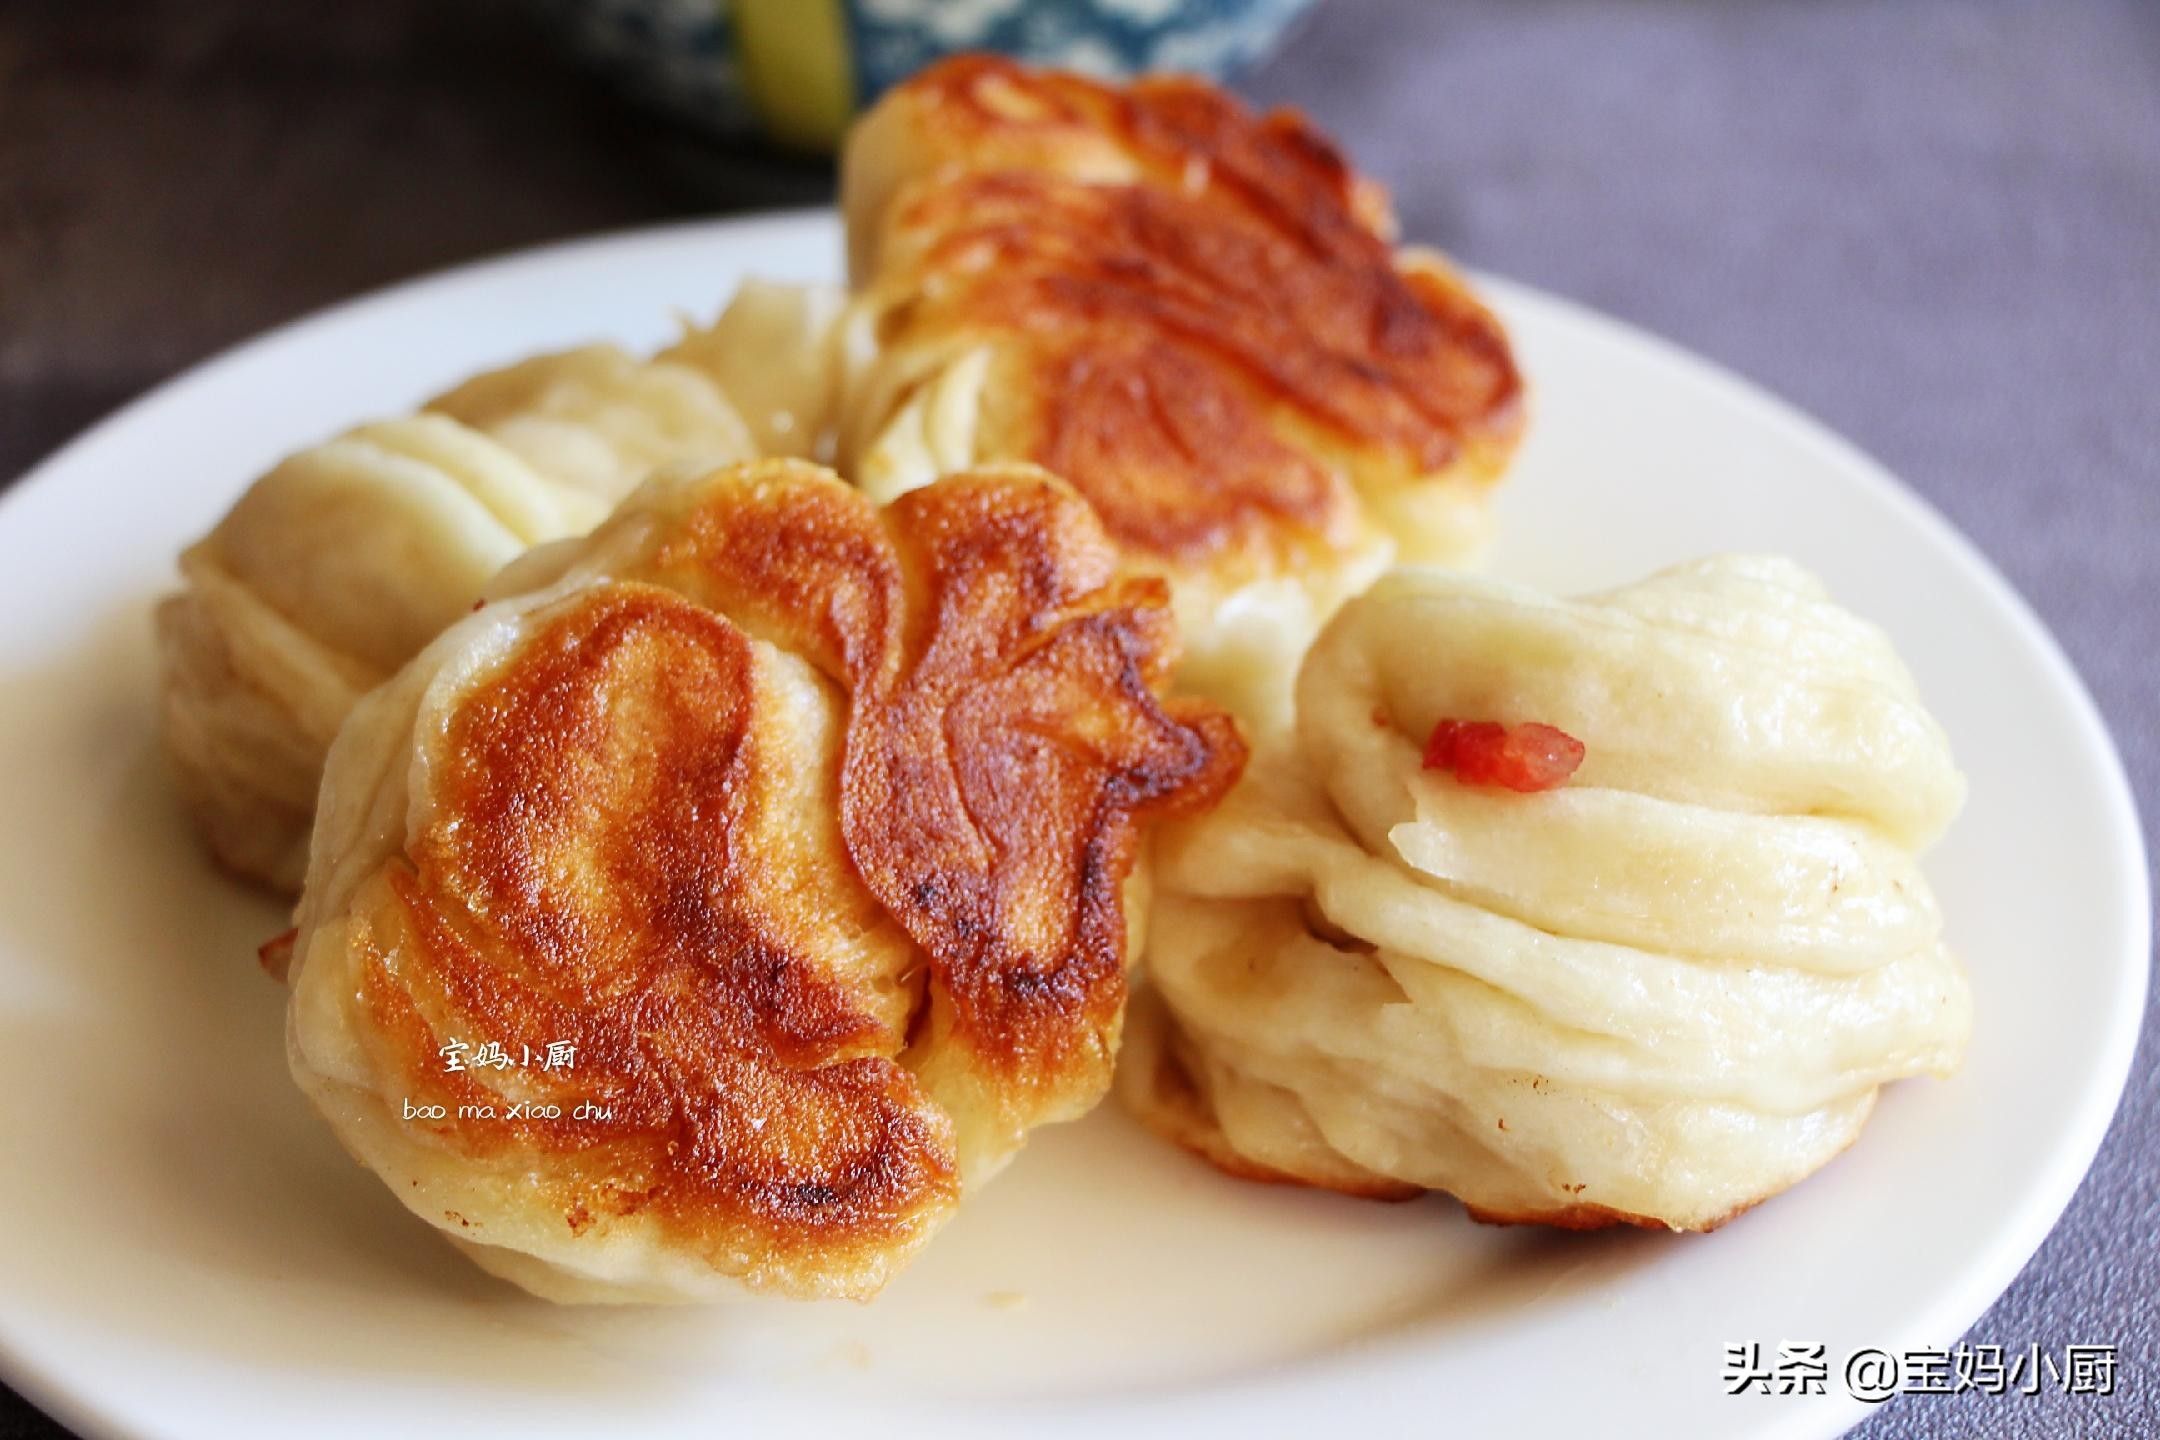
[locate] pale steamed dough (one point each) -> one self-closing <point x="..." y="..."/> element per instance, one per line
<point x="345" y="559"/>
<point x="1659" y="993"/>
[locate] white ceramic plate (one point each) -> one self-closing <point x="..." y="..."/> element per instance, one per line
<point x="185" y="1251"/>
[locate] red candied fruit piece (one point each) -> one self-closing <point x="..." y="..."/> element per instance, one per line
<point x="1525" y="758"/>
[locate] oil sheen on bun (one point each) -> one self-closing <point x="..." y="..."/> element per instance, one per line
<point x="1192" y="313"/>
<point x="1656" y="993"/>
<point x="806" y="826"/>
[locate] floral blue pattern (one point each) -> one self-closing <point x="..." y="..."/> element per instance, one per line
<point x="680" y="55"/>
<point x="1111" y="38"/>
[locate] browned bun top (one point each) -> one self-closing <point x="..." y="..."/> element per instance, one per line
<point x="1202" y="324"/>
<point x="1005" y="738"/>
<point x="807" y="825"/>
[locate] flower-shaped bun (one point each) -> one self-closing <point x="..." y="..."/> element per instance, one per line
<point x="1414" y="952"/>
<point x="336" y="567"/>
<point x="799" y="831"/>
<point x="1192" y="313"/>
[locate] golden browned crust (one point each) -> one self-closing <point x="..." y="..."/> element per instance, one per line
<point x="984" y="112"/>
<point x="1005" y="742"/>
<point x="580" y="879"/>
<point x="595" y="865"/>
<point x="1199" y="318"/>
<point x="1599" y="1217"/>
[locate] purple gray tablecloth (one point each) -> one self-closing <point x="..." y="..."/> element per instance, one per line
<point x="1935" y="224"/>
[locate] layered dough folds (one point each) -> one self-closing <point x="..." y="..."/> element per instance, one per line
<point x="337" y="566"/>
<point x="1190" y="312"/>
<point x="1656" y="995"/>
<point x="807" y="826"/>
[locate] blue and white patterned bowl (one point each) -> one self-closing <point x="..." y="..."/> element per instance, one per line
<point x="795" y="71"/>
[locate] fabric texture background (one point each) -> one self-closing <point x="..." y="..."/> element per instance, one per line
<point x="1934" y="224"/>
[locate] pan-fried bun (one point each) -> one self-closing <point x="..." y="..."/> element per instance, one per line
<point x="807" y="827"/>
<point x="1654" y="992"/>
<point x="1192" y="313"/>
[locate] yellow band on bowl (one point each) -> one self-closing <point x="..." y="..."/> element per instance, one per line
<point x="797" y="70"/>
